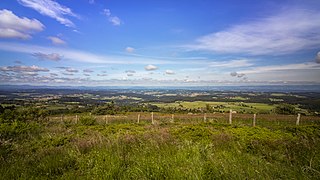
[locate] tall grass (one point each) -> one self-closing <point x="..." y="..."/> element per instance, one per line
<point x="164" y="151"/>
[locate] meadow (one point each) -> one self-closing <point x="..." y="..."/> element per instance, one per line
<point x="90" y="147"/>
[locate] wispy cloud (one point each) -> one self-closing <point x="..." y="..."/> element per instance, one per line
<point x="87" y="57"/>
<point x="52" y="9"/>
<point x="56" y="40"/>
<point x="116" y="21"/>
<point x="299" y="66"/>
<point x="43" y="56"/>
<point x="12" y="26"/>
<point x="231" y="63"/>
<point x="286" y="32"/>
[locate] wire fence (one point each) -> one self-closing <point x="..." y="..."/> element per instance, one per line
<point x="264" y="120"/>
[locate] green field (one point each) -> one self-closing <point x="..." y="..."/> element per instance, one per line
<point x="224" y="106"/>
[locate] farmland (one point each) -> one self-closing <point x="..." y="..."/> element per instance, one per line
<point x="158" y="134"/>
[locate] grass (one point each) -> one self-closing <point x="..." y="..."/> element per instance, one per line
<point x="179" y="150"/>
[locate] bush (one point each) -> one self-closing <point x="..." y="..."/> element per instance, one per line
<point x="29" y="114"/>
<point x="87" y="120"/>
<point x="285" y="109"/>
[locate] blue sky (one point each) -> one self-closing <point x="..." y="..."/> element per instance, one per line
<point x="159" y="43"/>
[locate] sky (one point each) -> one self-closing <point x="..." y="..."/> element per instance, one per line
<point x="159" y="43"/>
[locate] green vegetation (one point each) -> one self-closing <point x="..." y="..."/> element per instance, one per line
<point x="88" y="120"/>
<point x="33" y="146"/>
<point x="285" y="109"/>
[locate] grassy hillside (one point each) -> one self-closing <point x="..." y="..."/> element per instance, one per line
<point x="51" y="149"/>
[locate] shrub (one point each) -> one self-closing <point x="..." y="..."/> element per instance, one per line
<point x="87" y="120"/>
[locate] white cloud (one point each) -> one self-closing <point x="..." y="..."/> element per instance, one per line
<point x="239" y="75"/>
<point x="52" y="56"/>
<point x="26" y="73"/>
<point x="88" y="71"/>
<point x="289" y="31"/>
<point x="130" y="49"/>
<point x="130" y="71"/>
<point x="56" y="40"/>
<point x="150" y="67"/>
<point x="106" y="12"/>
<point x="233" y="74"/>
<point x="68" y="69"/>
<point x="102" y="75"/>
<point x="71" y="70"/>
<point x="52" y="9"/>
<point x="23" y="69"/>
<point x="318" y="58"/>
<point x="170" y="72"/>
<point x="116" y="21"/>
<point x="91" y="1"/>
<point x="12" y="26"/>
<point x="67" y="73"/>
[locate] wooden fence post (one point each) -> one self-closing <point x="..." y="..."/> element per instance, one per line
<point x="230" y="117"/>
<point x="298" y="119"/>
<point x="138" y="118"/>
<point x="61" y="118"/>
<point x="254" y="120"/>
<point x="172" y="118"/>
<point x="205" y="117"/>
<point x="76" y="119"/>
<point x="106" y="119"/>
<point x="152" y="118"/>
